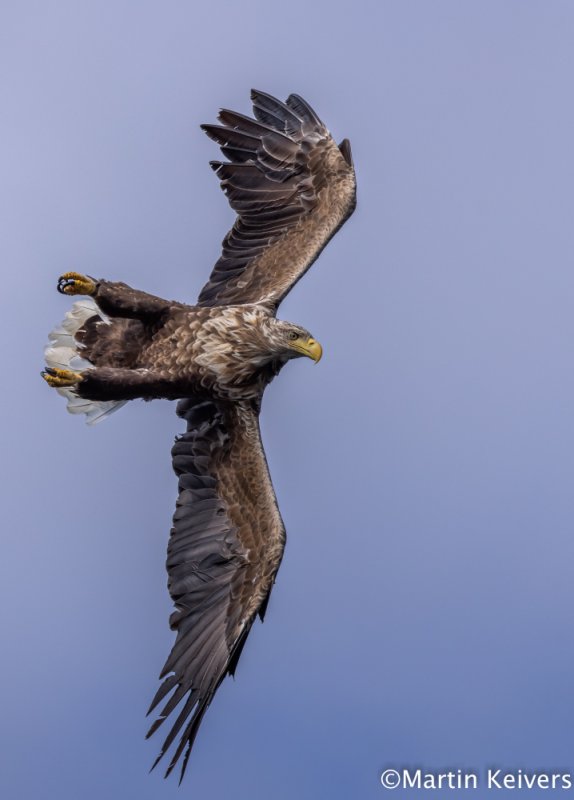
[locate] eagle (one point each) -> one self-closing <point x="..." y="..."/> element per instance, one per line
<point x="292" y="187"/>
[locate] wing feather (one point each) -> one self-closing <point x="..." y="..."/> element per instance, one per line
<point x="292" y="188"/>
<point x="225" y="548"/>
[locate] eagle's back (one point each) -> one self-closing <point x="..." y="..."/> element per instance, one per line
<point x="212" y="351"/>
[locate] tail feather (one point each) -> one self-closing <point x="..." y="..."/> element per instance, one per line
<point x="64" y="351"/>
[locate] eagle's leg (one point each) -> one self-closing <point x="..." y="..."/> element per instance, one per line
<point x="115" y="383"/>
<point x="115" y="299"/>
<point x="119" y="383"/>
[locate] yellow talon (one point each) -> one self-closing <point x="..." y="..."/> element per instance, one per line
<point x="74" y="283"/>
<point x="60" y="378"/>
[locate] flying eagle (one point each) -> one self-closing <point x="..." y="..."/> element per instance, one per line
<point x="292" y="187"/>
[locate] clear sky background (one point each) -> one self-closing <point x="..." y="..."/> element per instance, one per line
<point x="423" y="612"/>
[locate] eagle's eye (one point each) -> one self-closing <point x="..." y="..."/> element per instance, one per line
<point x="293" y="335"/>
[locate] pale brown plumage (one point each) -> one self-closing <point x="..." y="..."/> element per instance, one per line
<point x="292" y="187"/>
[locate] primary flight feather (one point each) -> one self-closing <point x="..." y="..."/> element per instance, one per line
<point x="292" y="187"/>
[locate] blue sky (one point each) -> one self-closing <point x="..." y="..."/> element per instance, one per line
<point x="423" y="611"/>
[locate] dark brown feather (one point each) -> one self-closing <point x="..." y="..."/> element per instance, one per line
<point x="224" y="551"/>
<point x="116" y="343"/>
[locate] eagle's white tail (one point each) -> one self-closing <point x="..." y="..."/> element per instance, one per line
<point x="64" y="352"/>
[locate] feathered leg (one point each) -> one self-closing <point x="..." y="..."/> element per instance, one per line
<point x="115" y="299"/>
<point x="116" y="383"/>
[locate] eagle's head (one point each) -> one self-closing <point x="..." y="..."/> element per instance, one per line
<point x="287" y="341"/>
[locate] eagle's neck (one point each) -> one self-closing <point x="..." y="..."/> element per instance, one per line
<point x="236" y="351"/>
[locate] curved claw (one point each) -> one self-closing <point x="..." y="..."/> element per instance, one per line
<point x="60" y="378"/>
<point x="71" y="283"/>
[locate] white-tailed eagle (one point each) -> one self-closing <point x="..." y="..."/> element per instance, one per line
<point x="292" y="187"/>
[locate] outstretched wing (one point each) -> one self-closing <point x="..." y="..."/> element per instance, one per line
<point x="224" y="550"/>
<point x="292" y="187"/>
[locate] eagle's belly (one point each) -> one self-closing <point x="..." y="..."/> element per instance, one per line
<point x="201" y="351"/>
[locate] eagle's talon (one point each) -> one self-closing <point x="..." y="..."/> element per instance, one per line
<point x="71" y="283"/>
<point x="60" y="378"/>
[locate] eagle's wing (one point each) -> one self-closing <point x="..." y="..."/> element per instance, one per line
<point x="224" y="550"/>
<point x="292" y="187"/>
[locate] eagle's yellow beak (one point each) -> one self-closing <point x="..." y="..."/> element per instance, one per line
<point x="308" y="347"/>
